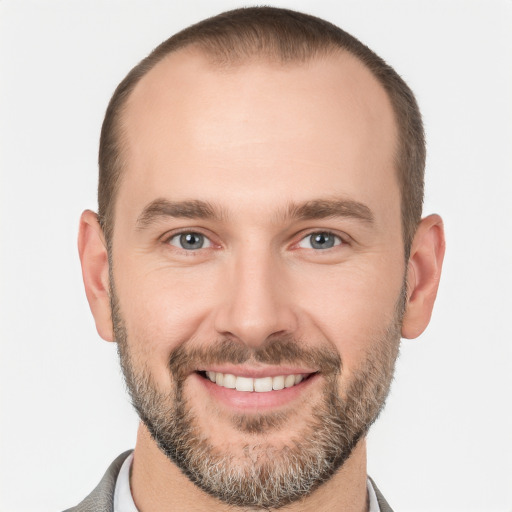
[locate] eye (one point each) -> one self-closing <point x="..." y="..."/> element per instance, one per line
<point x="190" y="241"/>
<point x="320" y="240"/>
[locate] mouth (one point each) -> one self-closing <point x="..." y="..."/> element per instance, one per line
<point x="250" y="389"/>
<point x="263" y="384"/>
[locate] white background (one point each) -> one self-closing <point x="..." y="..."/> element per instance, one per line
<point x="444" y="441"/>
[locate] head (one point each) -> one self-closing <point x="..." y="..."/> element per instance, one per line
<point x="259" y="250"/>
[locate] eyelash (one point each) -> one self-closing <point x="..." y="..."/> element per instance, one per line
<point x="167" y="240"/>
<point x="339" y="240"/>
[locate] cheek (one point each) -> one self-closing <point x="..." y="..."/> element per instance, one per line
<point x="162" y="308"/>
<point x="352" y="307"/>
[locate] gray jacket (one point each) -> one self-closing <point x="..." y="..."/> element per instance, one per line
<point x="101" y="498"/>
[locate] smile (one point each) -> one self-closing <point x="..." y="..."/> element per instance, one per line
<point x="258" y="385"/>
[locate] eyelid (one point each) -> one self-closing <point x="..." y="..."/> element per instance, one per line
<point x="206" y="245"/>
<point x="343" y="237"/>
<point x="169" y="235"/>
<point x="337" y="241"/>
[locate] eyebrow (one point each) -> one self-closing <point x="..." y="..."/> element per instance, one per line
<point x="309" y="210"/>
<point x="330" y="208"/>
<point x="162" y="208"/>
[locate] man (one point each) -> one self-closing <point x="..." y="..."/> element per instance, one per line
<point x="257" y="255"/>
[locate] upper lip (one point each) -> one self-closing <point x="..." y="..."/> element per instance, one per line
<point x="258" y="372"/>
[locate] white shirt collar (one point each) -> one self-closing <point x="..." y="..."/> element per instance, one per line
<point x="123" y="499"/>
<point x="372" y="497"/>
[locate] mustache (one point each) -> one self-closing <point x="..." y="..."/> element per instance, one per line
<point x="277" y="349"/>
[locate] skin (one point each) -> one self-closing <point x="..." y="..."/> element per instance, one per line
<point x="251" y="140"/>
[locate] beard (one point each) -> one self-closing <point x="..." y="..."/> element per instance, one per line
<point x="263" y="475"/>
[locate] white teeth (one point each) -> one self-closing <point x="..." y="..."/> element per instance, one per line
<point x="278" y="383"/>
<point x="244" y="384"/>
<point x="289" y="381"/>
<point x="261" y="385"/>
<point x="229" y="381"/>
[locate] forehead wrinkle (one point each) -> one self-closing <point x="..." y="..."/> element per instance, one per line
<point x="327" y="208"/>
<point x="188" y="209"/>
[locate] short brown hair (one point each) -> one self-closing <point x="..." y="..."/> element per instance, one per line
<point x="288" y="36"/>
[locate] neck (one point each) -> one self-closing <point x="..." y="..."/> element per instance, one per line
<point x="158" y="484"/>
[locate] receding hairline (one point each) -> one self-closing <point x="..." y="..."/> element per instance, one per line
<point x="281" y="36"/>
<point x="201" y="54"/>
<point x="207" y="61"/>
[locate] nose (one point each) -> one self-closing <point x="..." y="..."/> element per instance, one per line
<point x="256" y="301"/>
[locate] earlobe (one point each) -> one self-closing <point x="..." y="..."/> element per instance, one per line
<point x="424" y="272"/>
<point x="95" y="272"/>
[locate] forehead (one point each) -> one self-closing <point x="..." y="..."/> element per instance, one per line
<point x="192" y="128"/>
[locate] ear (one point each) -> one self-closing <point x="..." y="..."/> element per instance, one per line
<point x="424" y="272"/>
<point x="94" y="258"/>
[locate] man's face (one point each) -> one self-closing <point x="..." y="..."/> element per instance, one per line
<point x="257" y="243"/>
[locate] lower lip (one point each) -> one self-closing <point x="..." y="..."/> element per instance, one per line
<point x="246" y="400"/>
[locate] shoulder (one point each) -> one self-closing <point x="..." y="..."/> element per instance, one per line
<point x="101" y="498"/>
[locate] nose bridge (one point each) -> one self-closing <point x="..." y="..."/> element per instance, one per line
<point x="255" y="304"/>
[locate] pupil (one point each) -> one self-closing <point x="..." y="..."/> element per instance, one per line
<point x="191" y="241"/>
